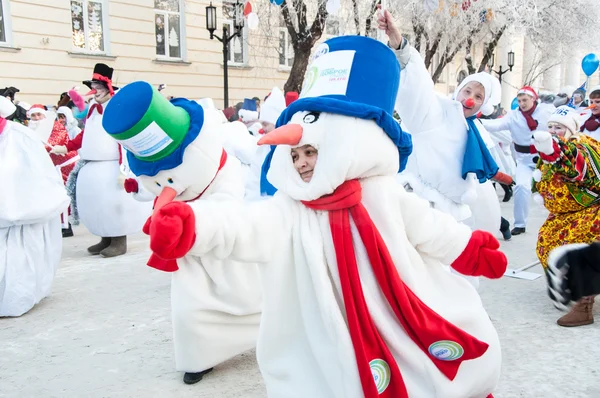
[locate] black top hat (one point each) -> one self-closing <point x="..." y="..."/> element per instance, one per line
<point x="101" y="71"/>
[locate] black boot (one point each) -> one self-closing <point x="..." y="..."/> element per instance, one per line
<point x="98" y="247"/>
<point x="505" y="228"/>
<point x="193" y="378"/>
<point x="508" y="192"/>
<point x="518" y="231"/>
<point x="67" y="232"/>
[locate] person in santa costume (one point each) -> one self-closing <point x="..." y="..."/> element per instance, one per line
<point x="357" y="300"/>
<point x="568" y="180"/>
<point x="521" y="123"/>
<point x="32" y="199"/>
<point x="175" y="149"/>
<point x="51" y="132"/>
<point x="591" y="126"/>
<point x="103" y="206"/>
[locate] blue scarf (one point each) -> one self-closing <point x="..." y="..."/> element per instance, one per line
<point x="266" y="189"/>
<point x="477" y="158"/>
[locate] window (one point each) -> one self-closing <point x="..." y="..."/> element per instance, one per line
<point x="286" y="51"/>
<point x="168" y="28"/>
<point x="238" y="47"/>
<point x="88" y="23"/>
<point x="5" y="39"/>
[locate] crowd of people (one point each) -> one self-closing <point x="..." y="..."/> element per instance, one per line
<point x="353" y="219"/>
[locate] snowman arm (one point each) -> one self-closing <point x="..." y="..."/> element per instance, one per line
<point x="431" y="232"/>
<point x="242" y="231"/>
<point x="494" y="125"/>
<point x="417" y="103"/>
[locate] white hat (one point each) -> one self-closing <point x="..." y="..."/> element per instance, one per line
<point x="65" y="110"/>
<point x="492" y="88"/>
<point x="247" y="116"/>
<point x="567" y="117"/>
<point x="7" y="108"/>
<point x="273" y="106"/>
<point x="206" y="103"/>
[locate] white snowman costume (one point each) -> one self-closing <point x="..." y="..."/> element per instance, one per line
<point x="32" y="200"/>
<point x="439" y="132"/>
<point x="216" y="304"/>
<point x="305" y="348"/>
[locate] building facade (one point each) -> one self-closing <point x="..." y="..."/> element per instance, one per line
<point x="48" y="47"/>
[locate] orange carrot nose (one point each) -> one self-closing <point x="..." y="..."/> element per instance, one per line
<point x="166" y="196"/>
<point x="91" y="92"/>
<point x="290" y="134"/>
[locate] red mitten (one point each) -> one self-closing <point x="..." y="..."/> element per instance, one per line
<point x="131" y="185"/>
<point x="172" y="231"/>
<point x="481" y="257"/>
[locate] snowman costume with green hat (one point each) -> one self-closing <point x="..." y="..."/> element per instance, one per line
<point x="357" y="300"/>
<point x="176" y="151"/>
<point x="104" y="207"/>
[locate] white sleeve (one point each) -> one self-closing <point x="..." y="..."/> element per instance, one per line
<point x="417" y="102"/>
<point x="242" y="231"/>
<point x="495" y="125"/>
<point x="431" y="232"/>
<point x="143" y="195"/>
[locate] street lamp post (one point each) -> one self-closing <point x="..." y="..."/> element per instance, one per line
<point x="211" y="26"/>
<point x="500" y="72"/>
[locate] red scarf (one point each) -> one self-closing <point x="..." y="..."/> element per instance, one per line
<point x="171" y="265"/>
<point x="592" y="124"/>
<point x="531" y="122"/>
<point x="446" y="345"/>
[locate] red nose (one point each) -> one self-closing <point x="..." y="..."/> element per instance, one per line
<point x="469" y="103"/>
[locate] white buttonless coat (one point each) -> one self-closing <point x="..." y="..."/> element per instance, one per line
<point x="304" y="347"/>
<point x="216" y="304"/>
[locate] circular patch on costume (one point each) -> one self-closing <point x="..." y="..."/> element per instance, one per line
<point x="446" y="350"/>
<point x="381" y="374"/>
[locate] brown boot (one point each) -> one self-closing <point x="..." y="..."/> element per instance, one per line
<point x="580" y="314"/>
<point x="118" y="246"/>
<point x="98" y="247"/>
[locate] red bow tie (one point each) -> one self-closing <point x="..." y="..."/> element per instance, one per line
<point x="96" y="106"/>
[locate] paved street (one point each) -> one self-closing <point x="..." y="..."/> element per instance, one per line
<point x="105" y="332"/>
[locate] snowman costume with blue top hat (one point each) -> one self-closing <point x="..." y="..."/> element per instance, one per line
<point x="176" y="150"/>
<point x="357" y="300"/>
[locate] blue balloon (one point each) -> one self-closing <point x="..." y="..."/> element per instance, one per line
<point x="589" y="64"/>
<point x="514" y="104"/>
<point x="277" y="2"/>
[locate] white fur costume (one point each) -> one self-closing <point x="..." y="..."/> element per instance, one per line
<point x="304" y="347"/>
<point x="216" y="304"/>
<point x="31" y="201"/>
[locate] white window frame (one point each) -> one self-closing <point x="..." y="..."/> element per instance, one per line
<point x="182" y="35"/>
<point x="287" y="45"/>
<point x="244" y="38"/>
<point x="7" y="24"/>
<point x="105" y="28"/>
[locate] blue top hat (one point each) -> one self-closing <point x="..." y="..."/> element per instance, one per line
<point x="353" y="76"/>
<point x="154" y="131"/>
<point x="249" y="104"/>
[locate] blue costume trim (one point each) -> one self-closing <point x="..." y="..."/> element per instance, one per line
<point x="196" y="112"/>
<point x="477" y="158"/>
<point x="337" y="105"/>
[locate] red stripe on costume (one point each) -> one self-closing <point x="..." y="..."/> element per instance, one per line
<point x="426" y="328"/>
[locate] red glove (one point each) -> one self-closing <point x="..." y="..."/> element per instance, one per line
<point x="172" y="234"/>
<point x="481" y="257"/>
<point x="131" y="185"/>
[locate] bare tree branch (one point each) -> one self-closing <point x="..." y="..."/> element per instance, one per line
<point x="489" y="49"/>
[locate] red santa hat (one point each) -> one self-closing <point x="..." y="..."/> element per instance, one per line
<point x="528" y="91"/>
<point x="36" y="108"/>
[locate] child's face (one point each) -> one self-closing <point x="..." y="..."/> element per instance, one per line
<point x="596" y="102"/>
<point x="476" y="92"/>
<point x="305" y="158"/>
